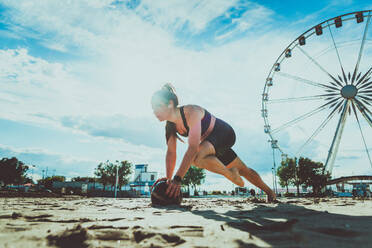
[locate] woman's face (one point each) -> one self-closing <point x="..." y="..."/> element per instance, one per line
<point x="161" y="110"/>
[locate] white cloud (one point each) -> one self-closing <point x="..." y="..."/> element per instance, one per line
<point x="255" y="17"/>
<point x="61" y="164"/>
<point x="174" y="15"/>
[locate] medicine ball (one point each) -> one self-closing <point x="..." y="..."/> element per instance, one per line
<point x="158" y="196"/>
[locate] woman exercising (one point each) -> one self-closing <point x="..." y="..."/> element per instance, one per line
<point x="209" y="143"/>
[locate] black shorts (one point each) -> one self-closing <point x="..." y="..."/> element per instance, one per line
<point x="222" y="138"/>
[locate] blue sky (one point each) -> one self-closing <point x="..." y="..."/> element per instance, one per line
<point x="76" y="77"/>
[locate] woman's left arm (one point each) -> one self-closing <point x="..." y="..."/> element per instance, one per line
<point x="193" y="147"/>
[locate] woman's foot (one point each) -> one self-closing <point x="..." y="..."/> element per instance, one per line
<point x="235" y="177"/>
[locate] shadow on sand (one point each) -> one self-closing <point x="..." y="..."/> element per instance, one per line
<point x="289" y="225"/>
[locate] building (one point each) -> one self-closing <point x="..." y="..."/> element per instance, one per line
<point x="80" y="187"/>
<point x="143" y="179"/>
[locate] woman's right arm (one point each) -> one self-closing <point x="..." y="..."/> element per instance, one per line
<point x="170" y="160"/>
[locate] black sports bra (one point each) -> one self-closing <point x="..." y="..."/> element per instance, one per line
<point x="204" y="122"/>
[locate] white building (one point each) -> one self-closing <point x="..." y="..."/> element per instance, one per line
<point x="143" y="179"/>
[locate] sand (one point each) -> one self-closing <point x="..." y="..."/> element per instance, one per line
<point x="198" y="222"/>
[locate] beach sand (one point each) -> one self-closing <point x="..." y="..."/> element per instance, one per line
<point x="198" y="222"/>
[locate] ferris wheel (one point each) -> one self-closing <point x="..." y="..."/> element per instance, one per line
<point x="317" y="98"/>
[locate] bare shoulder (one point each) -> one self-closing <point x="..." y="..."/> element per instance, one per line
<point x="193" y="110"/>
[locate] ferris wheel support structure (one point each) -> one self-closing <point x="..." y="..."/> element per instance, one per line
<point x="337" y="138"/>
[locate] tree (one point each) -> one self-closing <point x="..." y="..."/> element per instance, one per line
<point x="125" y="169"/>
<point x="48" y="181"/>
<point x="294" y="171"/>
<point x="286" y="172"/>
<point x="311" y="174"/>
<point x="305" y="172"/>
<point x="12" y="171"/>
<point x="106" y="173"/>
<point x="102" y="173"/>
<point x="194" y="176"/>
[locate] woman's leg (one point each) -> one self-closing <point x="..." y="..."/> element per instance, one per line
<point x="252" y="176"/>
<point x="206" y="159"/>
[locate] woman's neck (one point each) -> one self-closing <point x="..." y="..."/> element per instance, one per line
<point x="175" y="115"/>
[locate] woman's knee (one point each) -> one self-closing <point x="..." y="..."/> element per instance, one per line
<point x="205" y="149"/>
<point x="198" y="165"/>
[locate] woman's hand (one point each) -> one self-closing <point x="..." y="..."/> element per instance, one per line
<point x="174" y="189"/>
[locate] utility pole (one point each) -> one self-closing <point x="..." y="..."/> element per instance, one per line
<point x="32" y="171"/>
<point x="274" y="146"/>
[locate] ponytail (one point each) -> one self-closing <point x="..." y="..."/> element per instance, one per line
<point x="169" y="87"/>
